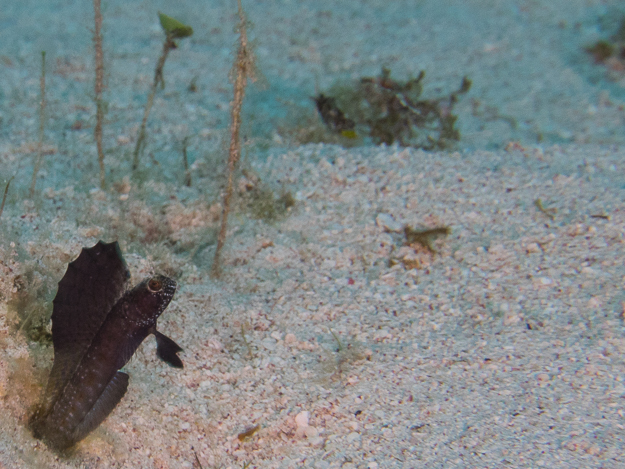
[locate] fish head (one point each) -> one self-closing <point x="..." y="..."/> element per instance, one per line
<point x="151" y="297"/>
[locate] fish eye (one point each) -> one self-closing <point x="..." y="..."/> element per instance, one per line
<point x="155" y="285"/>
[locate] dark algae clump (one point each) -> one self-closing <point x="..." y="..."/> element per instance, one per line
<point x="391" y="111"/>
<point x="610" y="52"/>
<point x="97" y="325"/>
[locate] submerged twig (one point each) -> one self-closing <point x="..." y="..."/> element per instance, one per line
<point x="42" y="120"/>
<point x="549" y="212"/>
<point x="4" y="197"/>
<point x="247" y="344"/>
<point x="98" y="88"/>
<point x="242" y="70"/>
<point x="185" y="162"/>
<point x="336" y="337"/>
<point x="248" y="432"/>
<point x="197" y="460"/>
<point x="158" y="77"/>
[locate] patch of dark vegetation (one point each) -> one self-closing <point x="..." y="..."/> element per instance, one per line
<point x="391" y="111"/>
<point x="601" y="51"/>
<point x="610" y="52"/>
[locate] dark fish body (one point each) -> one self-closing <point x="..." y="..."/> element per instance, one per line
<point x="96" y="328"/>
<point x="331" y="115"/>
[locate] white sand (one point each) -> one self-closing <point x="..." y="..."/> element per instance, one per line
<point x="505" y="349"/>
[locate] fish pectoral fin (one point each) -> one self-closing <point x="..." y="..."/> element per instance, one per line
<point x="110" y="397"/>
<point x="167" y="350"/>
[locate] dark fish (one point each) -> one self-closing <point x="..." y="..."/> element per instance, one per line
<point x="333" y="117"/>
<point x="97" y="325"/>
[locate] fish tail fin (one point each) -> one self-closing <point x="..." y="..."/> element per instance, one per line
<point x="167" y="350"/>
<point x="110" y="397"/>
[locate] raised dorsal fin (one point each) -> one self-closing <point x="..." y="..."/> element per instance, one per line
<point x="91" y="286"/>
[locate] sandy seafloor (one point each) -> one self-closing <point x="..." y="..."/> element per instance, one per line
<point x="504" y="349"/>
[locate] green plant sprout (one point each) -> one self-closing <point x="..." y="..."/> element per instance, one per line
<point x="173" y="29"/>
